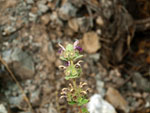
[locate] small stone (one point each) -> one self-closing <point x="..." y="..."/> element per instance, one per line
<point x="21" y="63"/>
<point x="84" y="24"/>
<point x="98" y="105"/>
<point x="91" y="42"/>
<point x="95" y="57"/>
<point x="116" y="99"/>
<point x="142" y="83"/>
<point x="43" y="8"/>
<point x="29" y="1"/>
<point x="100" y="21"/>
<point x="77" y="3"/>
<point x="35" y="98"/>
<point x="11" y="3"/>
<point x="32" y="17"/>
<point x="45" y="19"/>
<point x="8" y="30"/>
<point x="67" y="11"/>
<point x="73" y="24"/>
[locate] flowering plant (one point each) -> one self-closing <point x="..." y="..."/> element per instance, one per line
<point x="75" y="94"/>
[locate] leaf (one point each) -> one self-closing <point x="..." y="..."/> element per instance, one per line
<point x="82" y="101"/>
<point x="84" y="110"/>
<point x="78" y="56"/>
<point x="62" y="58"/>
<point x="71" y="102"/>
<point x="70" y="77"/>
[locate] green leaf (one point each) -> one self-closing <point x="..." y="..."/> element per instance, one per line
<point x="71" y="102"/>
<point x="62" y="58"/>
<point x="78" y="56"/>
<point x="82" y="101"/>
<point x="70" y="77"/>
<point x="84" y="110"/>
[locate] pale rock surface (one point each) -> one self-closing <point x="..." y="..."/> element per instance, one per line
<point x="3" y="109"/>
<point x="98" y="105"/>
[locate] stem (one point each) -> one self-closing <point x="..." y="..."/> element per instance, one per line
<point x="74" y="84"/>
<point x="79" y="109"/>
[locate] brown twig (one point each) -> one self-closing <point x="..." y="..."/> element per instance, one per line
<point x="18" y="84"/>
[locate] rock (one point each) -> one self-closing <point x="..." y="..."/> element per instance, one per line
<point x="73" y="24"/>
<point x="43" y="8"/>
<point x="22" y="63"/>
<point x="3" y="109"/>
<point x="116" y="99"/>
<point x="67" y="11"/>
<point x="45" y="19"/>
<point x="29" y="1"/>
<point x="32" y="17"/>
<point x="35" y="98"/>
<point x="11" y="3"/>
<point x="55" y="20"/>
<point x="16" y="100"/>
<point x="91" y="42"/>
<point x="77" y="3"/>
<point x="98" y="105"/>
<point x="100" y="21"/>
<point x="95" y="56"/>
<point x="142" y="83"/>
<point x="84" y="24"/>
<point x="8" y="30"/>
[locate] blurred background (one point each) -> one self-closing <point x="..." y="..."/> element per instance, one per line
<point x="114" y="35"/>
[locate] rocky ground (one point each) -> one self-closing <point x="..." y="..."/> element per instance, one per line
<point x="115" y="47"/>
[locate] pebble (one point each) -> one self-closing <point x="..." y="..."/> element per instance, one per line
<point x="45" y="19"/>
<point x="100" y="21"/>
<point x="67" y="11"/>
<point x="84" y="24"/>
<point x="21" y="62"/>
<point x="43" y="8"/>
<point x="29" y="1"/>
<point x="73" y="24"/>
<point x="91" y="42"/>
<point x="142" y="83"/>
<point x="32" y="17"/>
<point x="112" y="95"/>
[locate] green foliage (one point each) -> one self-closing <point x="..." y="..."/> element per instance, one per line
<point x="82" y="101"/>
<point x="84" y="110"/>
<point x="71" y="102"/>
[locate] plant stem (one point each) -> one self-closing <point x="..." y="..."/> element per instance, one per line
<point x="79" y="109"/>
